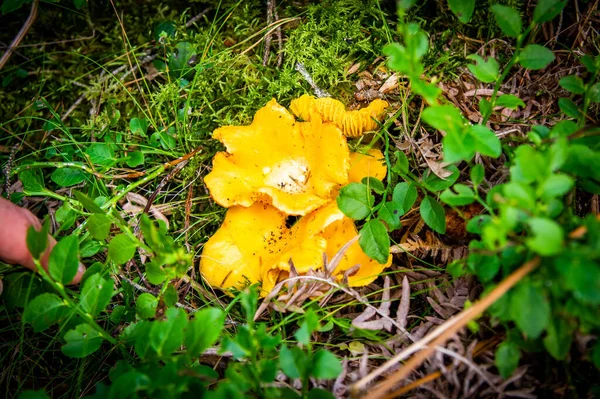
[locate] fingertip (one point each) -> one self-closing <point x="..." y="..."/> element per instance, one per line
<point x="79" y="274"/>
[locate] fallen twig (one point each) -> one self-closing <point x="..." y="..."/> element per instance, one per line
<point x="24" y="29"/>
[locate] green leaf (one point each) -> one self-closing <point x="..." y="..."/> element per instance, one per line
<point x="292" y="361"/>
<point x="99" y="225"/>
<point x="178" y="62"/>
<point x="121" y="249"/>
<point x="145" y="305"/>
<point x="202" y="332"/>
<point x="529" y="165"/>
<point x="167" y="336"/>
<point x="43" y="311"/>
<point x="170" y="296"/>
<point x="580" y="276"/>
<point x="463" y="9"/>
<point x="435" y="183"/>
<point x="390" y="213"/>
<point x="355" y="201"/>
<point x="485" y="71"/>
<point x="32" y="180"/>
<point x="87" y="202"/>
<point x="534" y="56"/>
<point x="134" y="158"/>
<point x="548" y="237"/>
<point x="546" y="10"/>
<point x="594" y="93"/>
<point x="509" y="101"/>
<point x="529" y="309"/>
<point x="374" y="184"/>
<point x="96" y="294"/>
<point x="485" y="141"/>
<point x="67" y="177"/>
<point x="308" y="325"/>
<point x="101" y="154"/>
<point x="33" y="395"/>
<point x="507" y="358"/>
<point x="559" y="338"/>
<point x="138" y="126"/>
<point x="595" y="354"/>
<point x="433" y="214"/>
<point x="64" y="261"/>
<point x="485" y="107"/>
<point x="555" y="186"/>
<point x="79" y="3"/>
<point x="325" y="365"/>
<point x="401" y="164"/>
<point x="319" y="393"/>
<point x="508" y="19"/>
<point x="375" y="241"/>
<point x="81" y="341"/>
<point x="404" y="196"/>
<point x="477" y="174"/>
<point x="405" y="4"/>
<point x="572" y="83"/>
<point x="568" y="107"/>
<point x="444" y="117"/>
<point x="458" y="146"/>
<point x="167" y="28"/>
<point x="459" y="195"/>
<point x="37" y="241"/>
<point x="12" y="5"/>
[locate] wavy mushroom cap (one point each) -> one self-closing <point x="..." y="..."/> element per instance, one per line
<point x="295" y="166"/>
<point x="366" y="165"/>
<point x="323" y="231"/>
<point x="353" y="123"/>
<point x="233" y="256"/>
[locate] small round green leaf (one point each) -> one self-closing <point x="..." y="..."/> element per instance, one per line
<point x="463" y="9"/>
<point x="355" y="200"/>
<point x="81" y="341"/>
<point x="507" y="358"/>
<point x="325" y="365"/>
<point x="99" y="226"/>
<point x="67" y="177"/>
<point x="63" y="262"/>
<point x="375" y="241"/>
<point x="145" y="305"/>
<point x="433" y="214"/>
<point x="508" y="19"/>
<point x="547" y="238"/>
<point x="572" y="83"/>
<point x="535" y="57"/>
<point x="121" y="249"/>
<point x="568" y="107"/>
<point x="43" y="311"/>
<point x="529" y="309"/>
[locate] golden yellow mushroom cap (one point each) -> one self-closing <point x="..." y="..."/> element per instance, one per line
<point x="233" y="256"/>
<point x="370" y="164"/>
<point x="323" y="231"/>
<point x="353" y="123"/>
<point x="295" y="166"/>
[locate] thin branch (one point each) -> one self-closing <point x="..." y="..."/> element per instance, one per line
<point x="24" y="29"/>
<point x="436" y="338"/>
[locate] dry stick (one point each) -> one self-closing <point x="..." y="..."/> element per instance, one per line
<point x="437" y="337"/>
<point x="197" y="17"/>
<point x="268" y="38"/>
<point x="279" y="39"/>
<point x="24" y="29"/>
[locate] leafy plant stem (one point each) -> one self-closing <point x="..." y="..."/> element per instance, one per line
<point x="506" y="71"/>
<point x="67" y="300"/>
